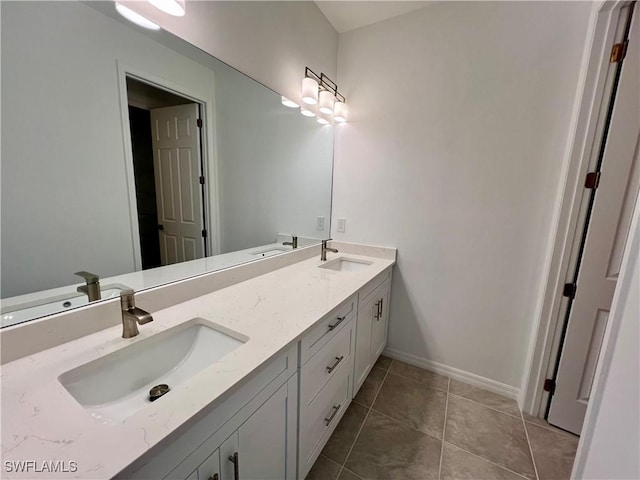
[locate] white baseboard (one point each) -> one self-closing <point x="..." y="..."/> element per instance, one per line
<point x="466" y="377"/>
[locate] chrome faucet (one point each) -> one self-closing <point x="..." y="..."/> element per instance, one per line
<point x="293" y="242"/>
<point x="132" y="315"/>
<point x="325" y="249"/>
<point x="92" y="287"/>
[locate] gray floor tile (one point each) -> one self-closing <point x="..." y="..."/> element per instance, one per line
<point x="553" y="452"/>
<point x="347" y="475"/>
<point x="541" y="422"/>
<point x="324" y="469"/>
<point x="345" y="433"/>
<point x="383" y="362"/>
<point x="484" y="397"/>
<point x="388" y="450"/>
<point x="460" y="465"/>
<point x="419" y="374"/>
<point x="414" y="403"/>
<point x="370" y="387"/>
<point x="498" y="437"/>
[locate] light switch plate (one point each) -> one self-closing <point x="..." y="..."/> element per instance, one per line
<point x="320" y="223"/>
<point x="342" y="225"/>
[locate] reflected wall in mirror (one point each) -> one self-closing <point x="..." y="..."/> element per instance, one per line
<point x="139" y="158"/>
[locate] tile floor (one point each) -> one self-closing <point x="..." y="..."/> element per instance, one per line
<point x="408" y="423"/>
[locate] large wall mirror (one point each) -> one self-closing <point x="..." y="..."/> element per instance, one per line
<point x="136" y="157"/>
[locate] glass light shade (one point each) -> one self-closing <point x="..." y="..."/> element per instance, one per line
<point x="309" y="91"/>
<point x="340" y="112"/>
<point x="289" y="103"/>
<point x="322" y="120"/>
<point x="306" y="112"/>
<point x="135" y="17"/>
<point x="325" y="104"/>
<point x="172" y="7"/>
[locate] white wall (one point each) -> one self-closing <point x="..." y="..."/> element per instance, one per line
<point x="459" y="123"/>
<point x="271" y="42"/>
<point x="611" y="436"/>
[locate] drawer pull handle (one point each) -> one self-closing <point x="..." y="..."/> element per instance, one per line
<point x="236" y="465"/>
<point x="340" y="320"/>
<point x="337" y="362"/>
<point x="380" y="316"/>
<point x="327" y="420"/>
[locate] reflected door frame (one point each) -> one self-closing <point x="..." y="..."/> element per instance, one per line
<point x="209" y="159"/>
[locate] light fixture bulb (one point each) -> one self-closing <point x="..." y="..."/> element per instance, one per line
<point x="322" y="121"/>
<point x="340" y="112"/>
<point x="289" y="103"/>
<point x="325" y="105"/>
<point x="309" y="91"/>
<point x="135" y="17"/>
<point x="306" y="112"/>
<point x="172" y="7"/>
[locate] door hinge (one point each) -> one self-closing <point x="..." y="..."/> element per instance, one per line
<point x="204" y="234"/>
<point x="201" y="179"/>
<point x="199" y="123"/>
<point x="592" y="181"/>
<point x="618" y="52"/>
<point x="569" y="290"/>
<point x="550" y="385"/>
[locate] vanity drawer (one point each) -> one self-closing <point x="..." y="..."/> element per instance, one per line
<point x="319" y="419"/>
<point x="325" y="364"/>
<point x="326" y="329"/>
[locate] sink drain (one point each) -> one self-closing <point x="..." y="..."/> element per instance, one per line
<point x="158" y="391"/>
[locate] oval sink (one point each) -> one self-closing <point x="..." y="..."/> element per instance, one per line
<point x="117" y="385"/>
<point x="342" y="264"/>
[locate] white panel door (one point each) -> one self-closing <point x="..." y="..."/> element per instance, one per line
<point x="176" y="161"/>
<point x="605" y="240"/>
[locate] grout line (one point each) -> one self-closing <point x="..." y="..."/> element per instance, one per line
<point x="351" y="472"/>
<point x="488" y="461"/>
<point x="551" y="428"/>
<point x="405" y="424"/>
<point x="364" y="421"/>
<point x="444" y="430"/>
<point x="533" y="460"/>
<point x="487" y="406"/>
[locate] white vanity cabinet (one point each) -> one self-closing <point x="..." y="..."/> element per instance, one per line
<point x="326" y="378"/>
<point x="372" y="325"/>
<point x="252" y="435"/>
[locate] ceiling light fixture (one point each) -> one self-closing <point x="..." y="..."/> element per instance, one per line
<point x="135" y="17"/>
<point x="176" y="8"/>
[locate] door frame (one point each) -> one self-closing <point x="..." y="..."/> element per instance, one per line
<point x="209" y="158"/>
<point x="570" y="208"/>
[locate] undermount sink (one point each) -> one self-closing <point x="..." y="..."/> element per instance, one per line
<point x="271" y="251"/>
<point x="117" y="385"/>
<point x="342" y="264"/>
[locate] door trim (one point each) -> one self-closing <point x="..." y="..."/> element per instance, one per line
<point x="209" y="157"/>
<point x="570" y="211"/>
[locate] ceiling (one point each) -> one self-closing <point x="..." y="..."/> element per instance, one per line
<point x="347" y="15"/>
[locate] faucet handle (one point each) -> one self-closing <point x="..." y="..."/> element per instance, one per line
<point x="88" y="276"/>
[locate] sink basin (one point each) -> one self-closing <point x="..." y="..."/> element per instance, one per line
<point x="270" y="252"/>
<point x="117" y="385"/>
<point x="342" y="264"/>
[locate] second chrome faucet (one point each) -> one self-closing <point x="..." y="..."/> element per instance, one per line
<point x="325" y="249"/>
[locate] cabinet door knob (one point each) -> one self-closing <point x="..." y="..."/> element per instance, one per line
<point x="327" y="420"/>
<point x="215" y="477"/>
<point x="236" y="465"/>
<point x="340" y="320"/>
<point x="335" y="364"/>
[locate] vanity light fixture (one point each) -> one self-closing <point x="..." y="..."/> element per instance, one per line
<point x="324" y="91"/>
<point x="289" y="103"/>
<point x="322" y="121"/>
<point x="135" y="17"/>
<point x="176" y="8"/>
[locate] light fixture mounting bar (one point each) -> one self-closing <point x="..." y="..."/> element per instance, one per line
<point x="325" y="83"/>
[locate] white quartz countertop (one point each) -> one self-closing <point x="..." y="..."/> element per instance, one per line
<point x="42" y="422"/>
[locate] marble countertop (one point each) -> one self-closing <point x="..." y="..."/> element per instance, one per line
<point x="42" y="422"/>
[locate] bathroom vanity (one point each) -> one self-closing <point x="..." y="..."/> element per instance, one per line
<point x="260" y="373"/>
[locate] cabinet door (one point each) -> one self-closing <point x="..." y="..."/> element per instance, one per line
<point x="230" y="458"/>
<point x="265" y="439"/>
<point x="362" y="362"/>
<point x="210" y="468"/>
<point x="379" y="324"/>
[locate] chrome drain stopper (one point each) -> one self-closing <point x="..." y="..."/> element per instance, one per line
<point x="158" y="391"/>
